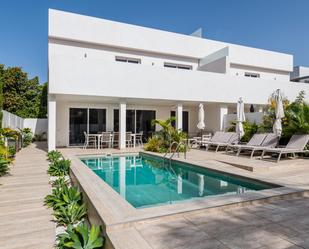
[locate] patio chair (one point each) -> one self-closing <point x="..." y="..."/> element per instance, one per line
<point x="296" y="144"/>
<point x="129" y="139"/>
<point x="256" y="140"/>
<point x="270" y="141"/>
<point x="227" y="138"/>
<point x="139" y="138"/>
<point x="115" y="139"/>
<point x="106" y="139"/>
<point x="89" y="140"/>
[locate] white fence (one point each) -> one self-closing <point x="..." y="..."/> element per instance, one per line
<point x="252" y="117"/>
<point x="12" y="121"/>
<point x="37" y="125"/>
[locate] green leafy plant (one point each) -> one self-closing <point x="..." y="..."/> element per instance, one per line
<point x="80" y="237"/>
<point x="52" y="199"/>
<point x="154" y="144"/>
<point x="39" y="137"/>
<point x="59" y="168"/>
<point x="60" y="182"/>
<point x="161" y="140"/>
<point x="54" y="156"/>
<point x="4" y="167"/>
<point x="63" y="196"/>
<point x="10" y="133"/>
<point x="12" y="151"/>
<point x="70" y="214"/>
<point x="27" y="136"/>
<point x="249" y="128"/>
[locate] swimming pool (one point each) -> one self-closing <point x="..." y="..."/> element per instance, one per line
<point x="145" y="180"/>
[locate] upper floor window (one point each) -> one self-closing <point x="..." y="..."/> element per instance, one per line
<point x="179" y="66"/>
<point x="128" y="60"/>
<point x="252" y="75"/>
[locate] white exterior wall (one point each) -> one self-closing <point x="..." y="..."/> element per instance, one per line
<point x="37" y="125"/>
<point x="238" y="70"/>
<point x="76" y="27"/>
<point x="71" y="73"/>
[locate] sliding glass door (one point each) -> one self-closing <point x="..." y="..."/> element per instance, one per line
<point x="78" y="124"/>
<point x="85" y="120"/>
<point x="97" y="120"/>
<point x="185" y="120"/>
<point x="144" y="122"/>
<point x="137" y="121"/>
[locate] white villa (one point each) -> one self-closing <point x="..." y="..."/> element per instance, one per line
<point x="111" y="76"/>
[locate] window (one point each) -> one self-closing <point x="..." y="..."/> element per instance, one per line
<point x="252" y="75"/>
<point x="179" y="66"/>
<point x="306" y="81"/>
<point x="128" y="60"/>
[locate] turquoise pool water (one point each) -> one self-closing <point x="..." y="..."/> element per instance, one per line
<point x="145" y="180"/>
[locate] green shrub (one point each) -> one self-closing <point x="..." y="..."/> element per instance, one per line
<point x="153" y="144"/>
<point x="80" y="237"/>
<point x="27" y="136"/>
<point x="249" y="128"/>
<point x="63" y="196"/>
<point x="39" y="137"/>
<point x="60" y="182"/>
<point x="70" y="214"/>
<point x="59" y="168"/>
<point x="4" y="152"/>
<point x="12" y="151"/>
<point x="4" y="167"/>
<point x="54" y="156"/>
<point x="161" y="140"/>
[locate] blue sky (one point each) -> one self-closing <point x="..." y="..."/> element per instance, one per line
<point x="279" y="25"/>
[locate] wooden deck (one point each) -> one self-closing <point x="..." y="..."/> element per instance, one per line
<point x="25" y="223"/>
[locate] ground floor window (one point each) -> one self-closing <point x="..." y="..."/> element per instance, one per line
<point x="185" y="120"/>
<point x="137" y="121"/>
<point x="89" y="120"/>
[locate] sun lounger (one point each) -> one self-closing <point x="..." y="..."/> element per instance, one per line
<point x="226" y="139"/>
<point x="256" y="140"/>
<point x="270" y="141"/>
<point x="296" y="144"/>
<point x="215" y="138"/>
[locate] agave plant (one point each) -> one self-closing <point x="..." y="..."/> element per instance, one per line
<point x="70" y="214"/>
<point x="54" y="156"/>
<point x="63" y="196"/>
<point x="4" y="167"/>
<point x="59" y="168"/>
<point x="52" y="199"/>
<point x="60" y="182"/>
<point x="80" y="237"/>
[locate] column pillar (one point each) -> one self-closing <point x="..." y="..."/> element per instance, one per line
<point x="122" y="176"/>
<point x="223" y="110"/>
<point x="122" y="125"/>
<point x="51" y="122"/>
<point x="179" y="109"/>
<point x="109" y="119"/>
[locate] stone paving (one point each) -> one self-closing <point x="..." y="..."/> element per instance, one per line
<point x="283" y="224"/>
<point x="25" y="223"/>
